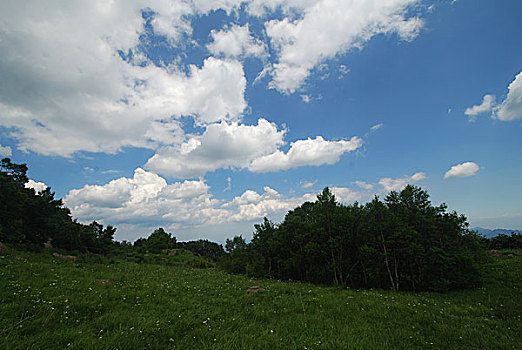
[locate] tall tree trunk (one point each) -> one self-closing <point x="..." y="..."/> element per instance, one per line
<point x="329" y="224"/>
<point x="396" y="260"/>
<point x="387" y="263"/>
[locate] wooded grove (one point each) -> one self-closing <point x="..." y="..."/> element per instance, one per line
<point x="401" y="243"/>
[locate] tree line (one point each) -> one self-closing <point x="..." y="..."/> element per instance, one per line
<point x="160" y="241"/>
<point x="402" y="243"/>
<point x="503" y="241"/>
<point x="32" y="219"/>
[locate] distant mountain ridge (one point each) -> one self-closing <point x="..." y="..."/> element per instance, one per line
<point x="495" y="232"/>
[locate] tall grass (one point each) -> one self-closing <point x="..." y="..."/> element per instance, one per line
<point x="52" y="304"/>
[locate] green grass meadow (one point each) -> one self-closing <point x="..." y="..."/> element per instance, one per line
<point x="47" y="303"/>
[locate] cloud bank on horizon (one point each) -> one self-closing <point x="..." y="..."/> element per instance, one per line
<point x="185" y="80"/>
<point x="145" y="197"/>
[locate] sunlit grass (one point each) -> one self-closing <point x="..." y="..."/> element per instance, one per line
<point x="46" y="304"/>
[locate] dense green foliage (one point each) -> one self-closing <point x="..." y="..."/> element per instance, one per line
<point x="401" y="243"/>
<point x="203" y="247"/>
<point x="31" y="219"/>
<point x="161" y="241"/>
<point x="502" y="241"/>
<point x="157" y="241"/>
<point x="55" y="304"/>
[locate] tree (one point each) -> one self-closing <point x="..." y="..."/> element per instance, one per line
<point x="204" y="248"/>
<point x="30" y="219"/>
<point x="157" y="241"/>
<point x="401" y="243"/>
<point x="262" y="259"/>
<point x="18" y="172"/>
<point x="237" y="258"/>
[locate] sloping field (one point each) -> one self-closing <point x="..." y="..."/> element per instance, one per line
<point x="53" y="304"/>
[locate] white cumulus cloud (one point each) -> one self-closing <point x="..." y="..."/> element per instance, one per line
<point x="252" y="205"/>
<point x="223" y="145"/>
<point x="488" y="102"/>
<point x="389" y="184"/>
<point x="35" y="185"/>
<point x="313" y="152"/>
<point x="236" y="42"/>
<point x="347" y="195"/>
<point x="511" y="108"/>
<point x="253" y="147"/>
<point x="145" y="199"/>
<point x="462" y="170"/>
<point x="66" y="89"/>
<point x="327" y="28"/>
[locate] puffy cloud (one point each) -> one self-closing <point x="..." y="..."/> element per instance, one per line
<point x="142" y="186"/>
<point x="74" y="78"/>
<point x="65" y="88"/>
<point x="254" y="147"/>
<point x="222" y="145"/>
<point x="236" y="42"/>
<point x="347" y="195"/>
<point x="462" y="170"/>
<point x="248" y="197"/>
<point x="5" y="151"/>
<point x="488" y="102"/>
<point x="252" y="205"/>
<point x="36" y="186"/>
<point x="314" y="152"/>
<point x="511" y="108"/>
<point x="389" y="184"/>
<point x="145" y="199"/>
<point x="213" y="93"/>
<point x="327" y="28"/>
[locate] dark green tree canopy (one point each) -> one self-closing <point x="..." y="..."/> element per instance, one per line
<point x="403" y="242"/>
<point x="157" y="241"/>
<point x="31" y="219"/>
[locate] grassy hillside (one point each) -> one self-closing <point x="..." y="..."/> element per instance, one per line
<point x="54" y="304"/>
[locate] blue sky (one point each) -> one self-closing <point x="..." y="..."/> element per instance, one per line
<point x="205" y="116"/>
